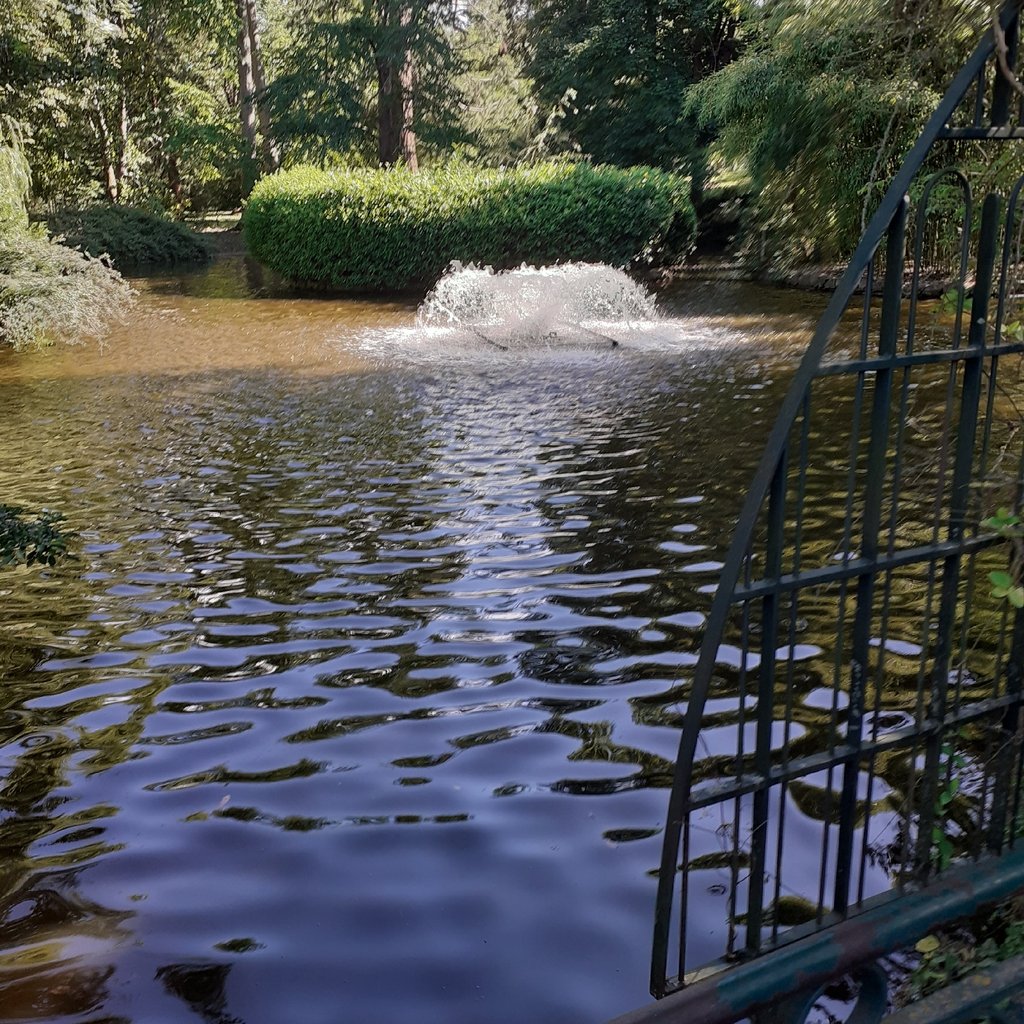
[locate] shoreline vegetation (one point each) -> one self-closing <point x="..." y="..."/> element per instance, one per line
<point x="128" y="237"/>
<point x="48" y="291"/>
<point x="782" y="123"/>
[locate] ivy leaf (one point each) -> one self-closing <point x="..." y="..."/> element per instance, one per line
<point x="1003" y="520"/>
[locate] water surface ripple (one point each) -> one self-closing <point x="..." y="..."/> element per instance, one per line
<point x="361" y="699"/>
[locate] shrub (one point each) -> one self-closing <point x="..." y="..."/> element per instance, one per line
<point x="375" y="229"/>
<point x="130" y="237"/>
<point x="49" y="292"/>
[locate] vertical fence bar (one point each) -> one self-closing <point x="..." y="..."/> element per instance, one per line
<point x="963" y="464"/>
<point x="765" y="705"/>
<point x="874" y="484"/>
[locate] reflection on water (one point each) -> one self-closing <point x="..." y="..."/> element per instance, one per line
<point x="363" y="695"/>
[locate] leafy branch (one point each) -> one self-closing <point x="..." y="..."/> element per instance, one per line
<point x="1007" y="584"/>
<point x="39" y="541"/>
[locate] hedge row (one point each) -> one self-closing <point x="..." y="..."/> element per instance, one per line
<point x="130" y="237"/>
<point x="381" y="229"/>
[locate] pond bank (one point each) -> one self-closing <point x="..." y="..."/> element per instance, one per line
<point x="810" y="278"/>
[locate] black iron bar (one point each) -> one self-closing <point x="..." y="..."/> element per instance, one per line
<point x="932" y="357"/>
<point x="990" y="707"/>
<point x="892" y="300"/>
<point x="963" y="466"/>
<point x="861" y="566"/>
<point x="765" y="705"/>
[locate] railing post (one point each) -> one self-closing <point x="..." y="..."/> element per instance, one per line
<point x="967" y="429"/>
<point x="765" y="705"/>
<point x="892" y="302"/>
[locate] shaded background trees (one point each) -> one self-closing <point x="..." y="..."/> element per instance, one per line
<point x="803" y="108"/>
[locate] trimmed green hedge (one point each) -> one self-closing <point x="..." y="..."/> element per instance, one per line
<point x="378" y="229"/>
<point x="130" y="237"/>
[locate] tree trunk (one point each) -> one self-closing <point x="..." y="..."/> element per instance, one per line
<point x="174" y="177"/>
<point x="103" y="141"/>
<point x="388" y="143"/>
<point x="121" y="151"/>
<point x="246" y="110"/>
<point x="396" y="140"/>
<point x="407" y="79"/>
<point x="271" y="154"/>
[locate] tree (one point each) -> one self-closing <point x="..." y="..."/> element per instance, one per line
<point x="500" y="112"/>
<point x="405" y="48"/>
<point x="824" y="102"/>
<point x="125" y="99"/>
<point x="252" y="88"/>
<point x="628" y="63"/>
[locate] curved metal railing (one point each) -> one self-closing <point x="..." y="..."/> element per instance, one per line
<point x="869" y="671"/>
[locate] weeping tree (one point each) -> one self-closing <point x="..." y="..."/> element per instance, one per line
<point x="822" y="105"/>
<point x="15" y="179"/>
<point x="47" y="291"/>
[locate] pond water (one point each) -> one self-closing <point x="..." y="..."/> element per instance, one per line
<point x="349" y="708"/>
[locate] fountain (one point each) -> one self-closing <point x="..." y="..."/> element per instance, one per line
<point x="567" y="311"/>
<point x="571" y="303"/>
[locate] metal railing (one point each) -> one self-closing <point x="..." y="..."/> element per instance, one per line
<point x="850" y="769"/>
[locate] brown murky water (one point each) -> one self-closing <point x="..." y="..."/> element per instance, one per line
<point x="348" y="709"/>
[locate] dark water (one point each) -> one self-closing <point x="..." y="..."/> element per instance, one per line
<point x="348" y="710"/>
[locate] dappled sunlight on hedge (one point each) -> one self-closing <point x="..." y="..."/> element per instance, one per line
<point x="378" y="229"/>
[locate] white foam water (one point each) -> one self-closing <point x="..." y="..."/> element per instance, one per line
<point x="570" y="302"/>
<point x="566" y="312"/>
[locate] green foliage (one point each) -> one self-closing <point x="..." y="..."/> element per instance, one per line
<point x="15" y="177"/>
<point x="627" y="65"/>
<point x="129" y="237"/>
<point x="128" y="98"/>
<point x="47" y="291"/>
<point x="1007" y="585"/>
<point x="499" y="114"/>
<point x="942" y="845"/>
<point x="26" y="541"/>
<point x="325" y="99"/>
<point x="812" y="104"/>
<point x="981" y="943"/>
<point x="391" y="229"/>
<point x="823" y="104"/>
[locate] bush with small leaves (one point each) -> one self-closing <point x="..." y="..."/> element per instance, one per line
<point x="389" y="229"/>
<point x="129" y="237"/>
